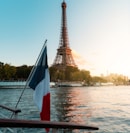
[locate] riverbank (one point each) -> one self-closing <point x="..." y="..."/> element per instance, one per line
<point x="12" y="84"/>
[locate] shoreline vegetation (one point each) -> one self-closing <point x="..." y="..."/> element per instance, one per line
<point x="69" y="77"/>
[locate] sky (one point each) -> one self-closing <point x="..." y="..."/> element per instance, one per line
<point x="98" y="30"/>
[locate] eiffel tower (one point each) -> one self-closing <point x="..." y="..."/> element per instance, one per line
<point x="64" y="56"/>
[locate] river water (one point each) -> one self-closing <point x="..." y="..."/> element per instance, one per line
<point x="105" y="107"/>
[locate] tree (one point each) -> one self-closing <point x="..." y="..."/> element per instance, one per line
<point x="23" y="72"/>
<point x="9" y="72"/>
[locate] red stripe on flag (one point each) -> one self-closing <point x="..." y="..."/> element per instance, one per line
<point x="45" y="113"/>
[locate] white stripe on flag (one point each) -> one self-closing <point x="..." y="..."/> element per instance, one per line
<point x="41" y="90"/>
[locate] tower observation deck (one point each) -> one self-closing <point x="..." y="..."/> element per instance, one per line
<point x="64" y="56"/>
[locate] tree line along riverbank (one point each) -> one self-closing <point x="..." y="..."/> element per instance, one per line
<point x="21" y="73"/>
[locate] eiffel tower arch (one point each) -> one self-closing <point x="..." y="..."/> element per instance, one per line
<point x="64" y="56"/>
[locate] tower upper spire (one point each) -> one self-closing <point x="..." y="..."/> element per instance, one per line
<point x="63" y="4"/>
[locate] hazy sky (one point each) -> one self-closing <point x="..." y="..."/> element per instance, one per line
<point x="99" y="32"/>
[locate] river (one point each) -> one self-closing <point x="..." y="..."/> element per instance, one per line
<point x="106" y="107"/>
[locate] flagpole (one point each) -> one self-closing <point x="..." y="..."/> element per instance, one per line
<point x="32" y="71"/>
<point x="30" y="75"/>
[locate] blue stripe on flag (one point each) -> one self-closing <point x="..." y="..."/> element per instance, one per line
<point x="39" y="71"/>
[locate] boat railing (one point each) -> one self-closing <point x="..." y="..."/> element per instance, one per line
<point x="43" y="124"/>
<point x="15" y="123"/>
<point x="14" y="114"/>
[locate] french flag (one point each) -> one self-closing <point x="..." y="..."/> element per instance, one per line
<point x="39" y="81"/>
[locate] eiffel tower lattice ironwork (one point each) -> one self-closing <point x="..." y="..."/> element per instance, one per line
<point x="64" y="56"/>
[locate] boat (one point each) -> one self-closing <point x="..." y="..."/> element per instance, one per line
<point x="13" y="124"/>
<point x="68" y="84"/>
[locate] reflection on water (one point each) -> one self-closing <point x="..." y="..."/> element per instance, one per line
<point x="63" y="104"/>
<point x="68" y="104"/>
<point x="105" y="107"/>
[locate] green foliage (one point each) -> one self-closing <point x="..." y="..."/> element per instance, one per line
<point x="117" y="79"/>
<point x="23" y="72"/>
<point x="8" y="72"/>
<point x="70" y="74"/>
